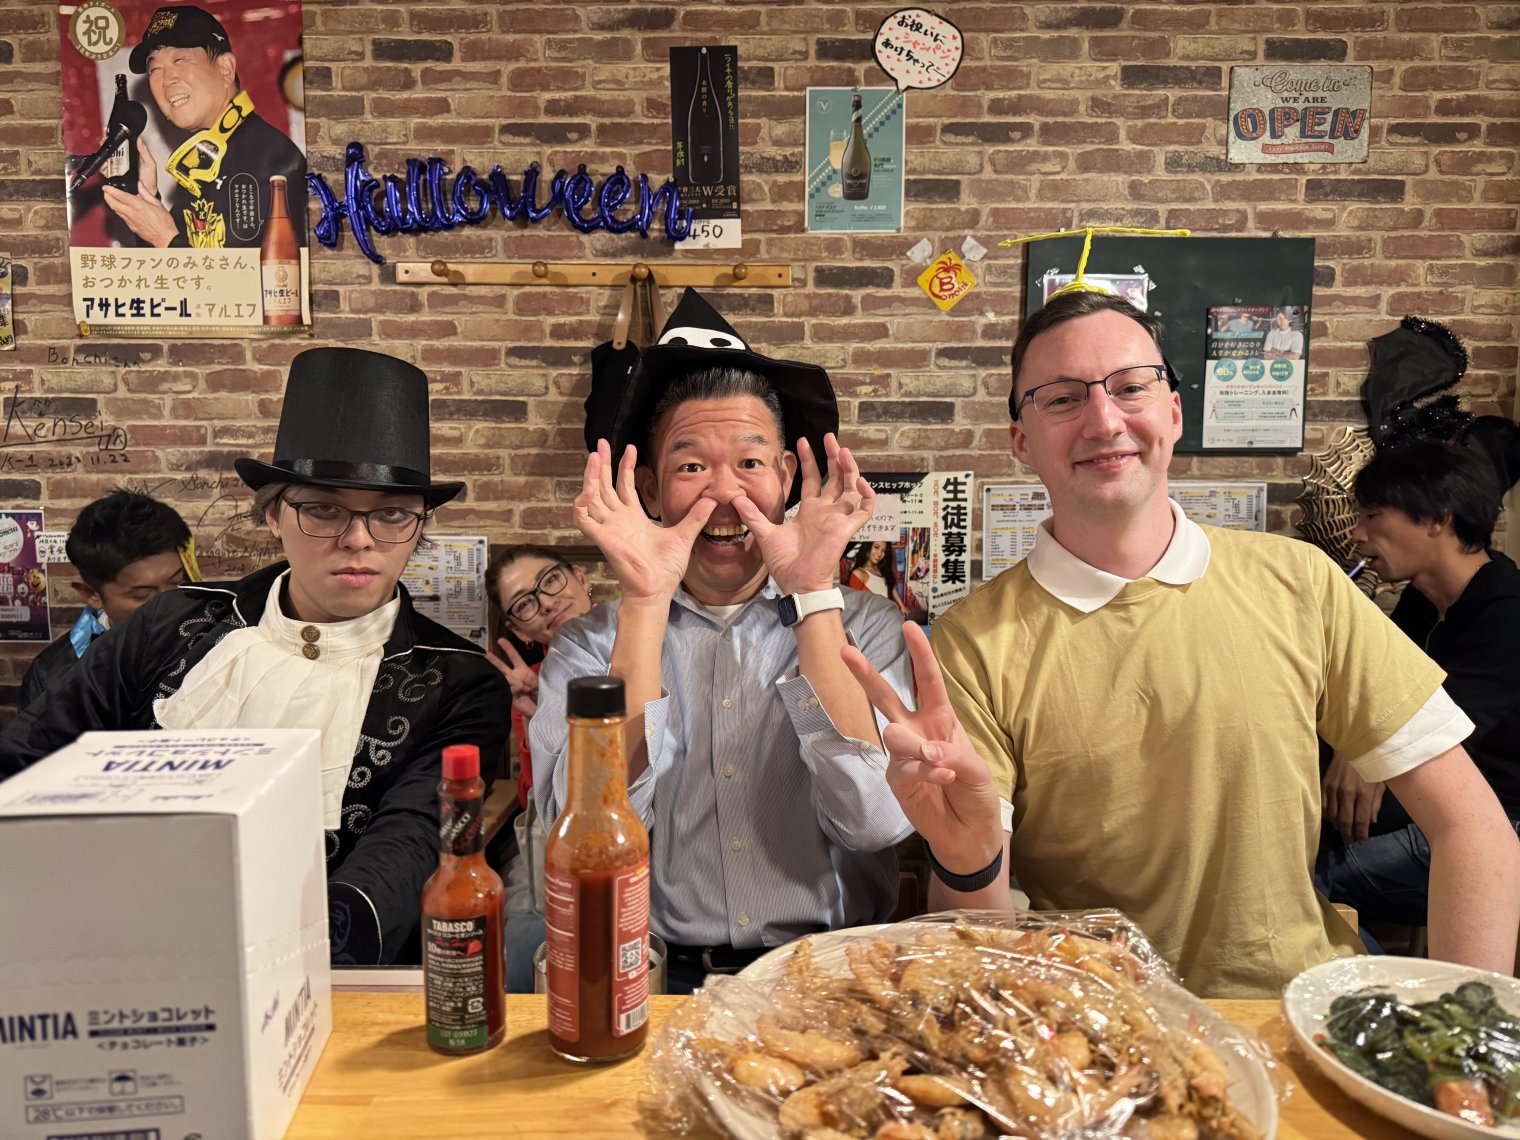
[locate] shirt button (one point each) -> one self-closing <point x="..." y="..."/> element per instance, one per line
<point x="728" y="704"/>
<point x="812" y="702"/>
<point x="310" y="652"/>
<point x="744" y="920"/>
<point x="802" y="703"/>
<point x="728" y="635"/>
<point x="310" y="633"/>
<point x="736" y="846"/>
<point x="728" y="772"/>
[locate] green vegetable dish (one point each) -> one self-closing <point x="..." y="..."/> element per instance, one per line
<point x="1459" y="1053"/>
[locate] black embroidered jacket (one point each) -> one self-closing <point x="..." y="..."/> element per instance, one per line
<point x="433" y="689"/>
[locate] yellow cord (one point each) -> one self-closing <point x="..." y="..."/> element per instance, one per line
<point x="1078" y="285"/>
<point x="188" y="561"/>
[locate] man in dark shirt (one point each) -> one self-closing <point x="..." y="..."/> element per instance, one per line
<point x="1427" y="512"/>
<point x="222" y="169"/>
<point x="128" y="549"/>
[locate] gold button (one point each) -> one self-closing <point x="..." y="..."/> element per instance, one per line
<point x="728" y="704"/>
<point x="310" y="633"/>
<point x="310" y="652"/>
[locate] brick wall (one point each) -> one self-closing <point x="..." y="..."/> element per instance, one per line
<point x="1061" y="114"/>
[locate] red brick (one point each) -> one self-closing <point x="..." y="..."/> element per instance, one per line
<point x="1443" y="301"/>
<point x="1435" y="18"/>
<point x="1473" y="220"/>
<point x="1429" y="246"/>
<point x="1444" y="77"/>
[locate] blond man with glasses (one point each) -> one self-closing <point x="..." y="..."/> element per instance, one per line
<point x="1131" y="714"/>
<point x="327" y="639"/>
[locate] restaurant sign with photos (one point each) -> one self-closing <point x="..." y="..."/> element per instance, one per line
<point x="855" y="159"/>
<point x="185" y="176"/>
<point x="1304" y="113"/>
<point x="704" y="134"/>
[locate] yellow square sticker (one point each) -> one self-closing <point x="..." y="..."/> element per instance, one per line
<point x="946" y="280"/>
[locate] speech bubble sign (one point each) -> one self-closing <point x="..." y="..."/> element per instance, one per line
<point x="918" y="48"/>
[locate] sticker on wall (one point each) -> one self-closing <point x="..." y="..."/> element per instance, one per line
<point x="918" y="48"/>
<point x="855" y="145"/>
<point x="704" y="142"/>
<point x="23" y="579"/>
<point x="946" y="280"/>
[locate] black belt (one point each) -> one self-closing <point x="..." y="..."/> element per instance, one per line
<point x="713" y="959"/>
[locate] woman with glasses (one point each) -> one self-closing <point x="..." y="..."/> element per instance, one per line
<point x="537" y="593"/>
<point x="327" y="639"/>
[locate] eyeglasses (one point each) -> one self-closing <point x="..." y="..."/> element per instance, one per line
<point x="332" y="520"/>
<point x="552" y="580"/>
<point x="1129" y="387"/>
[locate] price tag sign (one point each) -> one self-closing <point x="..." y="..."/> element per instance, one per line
<point x="713" y="233"/>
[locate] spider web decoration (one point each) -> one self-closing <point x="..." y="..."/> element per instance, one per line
<point x="1328" y="506"/>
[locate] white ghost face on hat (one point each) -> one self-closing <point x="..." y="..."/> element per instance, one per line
<point x="695" y="336"/>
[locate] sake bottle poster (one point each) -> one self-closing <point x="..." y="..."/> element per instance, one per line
<point x="865" y="193"/>
<point x="185" y="174"/>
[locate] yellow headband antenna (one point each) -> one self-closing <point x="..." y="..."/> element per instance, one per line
<point x="1078" y="284"/>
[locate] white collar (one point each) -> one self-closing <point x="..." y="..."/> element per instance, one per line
<point x="333" y="641"/>
<point x="1084" y="587"/>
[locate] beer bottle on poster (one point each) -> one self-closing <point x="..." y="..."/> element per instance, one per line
<point x="704" y="128"/>
<point x="120" y="170"/>
<point x="280" y="260"/>
<point x="596" y="890"/>
<point x="462" y="934"/>
<point x="855" y="169"/>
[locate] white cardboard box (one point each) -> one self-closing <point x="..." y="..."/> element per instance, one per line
<point x="163" y="936"/>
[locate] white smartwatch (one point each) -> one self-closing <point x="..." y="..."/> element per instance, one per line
<point x="795" y="607"/>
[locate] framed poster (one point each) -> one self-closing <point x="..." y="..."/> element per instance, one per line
<point x="855" y="159"/>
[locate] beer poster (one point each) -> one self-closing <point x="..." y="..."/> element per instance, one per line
<point x="185" y="175"/>
<point x="23" y="579"/>
<point x="855" y="159"/>
<point x="704" y="147"/>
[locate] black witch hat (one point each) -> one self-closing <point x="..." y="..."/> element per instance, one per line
<point x="353" y="418"/>
<point x="696" y="337"/>
<point x="1408" y="396"/>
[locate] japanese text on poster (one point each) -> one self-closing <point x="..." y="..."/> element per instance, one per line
<point x="446" y="578"/>
<point x="1253" y="386"/>
<point x="915" y="548"/>
<point x="704" y="132"/>
<point x="1011" y="518"/>
<point x="855" y="159"/>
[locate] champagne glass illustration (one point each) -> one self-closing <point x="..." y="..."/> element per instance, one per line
<point x="837" y="139"/>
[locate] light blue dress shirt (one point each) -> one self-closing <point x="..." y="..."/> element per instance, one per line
<point x="765" y="822"/>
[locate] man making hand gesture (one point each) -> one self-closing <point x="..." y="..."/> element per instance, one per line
<point x="753" y="756"/>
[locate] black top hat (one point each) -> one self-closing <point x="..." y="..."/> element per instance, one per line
<point x="182" y="25"/>
<point x="695" y="338"/>
<point x="356" y="419"/>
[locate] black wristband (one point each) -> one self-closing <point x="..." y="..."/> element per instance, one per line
<point x="973" y="882"/>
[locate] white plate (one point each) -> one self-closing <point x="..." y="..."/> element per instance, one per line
<point x="1251" y="1089"/>
<point x="1307" y="1003"/>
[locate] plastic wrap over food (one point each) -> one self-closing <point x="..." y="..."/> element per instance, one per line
<point x="959" y="1026"/>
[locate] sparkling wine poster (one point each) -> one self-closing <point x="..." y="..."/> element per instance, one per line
<point x="704" y="132"/>
<point x="185" y="171"/>
<point x="855" y="140"/>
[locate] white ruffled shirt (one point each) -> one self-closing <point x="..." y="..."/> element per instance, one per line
<point x="284" y="673"/>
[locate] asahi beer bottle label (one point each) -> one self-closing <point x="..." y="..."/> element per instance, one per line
<point x="454" y="954"/>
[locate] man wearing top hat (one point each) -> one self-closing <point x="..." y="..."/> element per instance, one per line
<point x="327" y="639"/>
<point x="220" y="172"/>
<point x="753" y="757"/>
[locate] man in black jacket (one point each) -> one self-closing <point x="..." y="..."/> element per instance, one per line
<point x="223" y="167"/>
<point x="1426" y="515"/>
<point x="327" y="640"/>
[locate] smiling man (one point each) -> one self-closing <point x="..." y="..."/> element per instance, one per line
<point x="753" y="757"/>
<point x="1146" y="694"/>
<point x="327" y="639"/>
<point x="227" y="152"/>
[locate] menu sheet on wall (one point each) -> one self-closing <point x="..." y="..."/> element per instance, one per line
<point x="1011" y="518"/>
<point x="446" y="578"/>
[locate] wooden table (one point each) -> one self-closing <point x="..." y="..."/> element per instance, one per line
<point x="378" y="1078"/>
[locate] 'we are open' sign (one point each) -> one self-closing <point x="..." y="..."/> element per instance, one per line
<point x="1312" y="113"/>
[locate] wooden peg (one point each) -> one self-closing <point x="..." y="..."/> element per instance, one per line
<point x="540" y="269"/>
<point x="640" y="271"/>
<point x="440" y="268"/>
<point x="741" y="271"/>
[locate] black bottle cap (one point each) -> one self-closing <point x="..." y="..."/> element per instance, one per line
<point x="596" y="697"/>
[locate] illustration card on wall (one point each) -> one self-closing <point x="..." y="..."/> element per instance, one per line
<point x="704" y="132"/>
<point x="446" y="578"/>
<point x="1233" y="506"/>
<point x="7" y="331"/>
<point x="1133" y="287"/>
<point x="915" y="550"/>
<point x="855" y="159"/>
<point x="185" y="179"/>
<point x="1011" y="518"/>
<point x="23" y="579"/>
<point x="1253" y="386"/>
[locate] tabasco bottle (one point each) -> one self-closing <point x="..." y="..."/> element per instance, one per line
<point x="596" y="890"/>
<point x="462" y="951"/>
<point x="280" y="260"/>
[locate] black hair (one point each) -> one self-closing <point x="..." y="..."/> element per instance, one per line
<point x="532" y="652"/>
<point x="888" y="566"/>
<point x="714" y="384"/>
<point x="1430" y="481"/>
<point x="112" y="533"/>
<point x="1068" y="307"/>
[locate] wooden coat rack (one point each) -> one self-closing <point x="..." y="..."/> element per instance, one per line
<point x="735" y="276"/>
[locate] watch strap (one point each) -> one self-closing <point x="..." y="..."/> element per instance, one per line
<point x="972" y="882"/>
<point x="795" y="607"/>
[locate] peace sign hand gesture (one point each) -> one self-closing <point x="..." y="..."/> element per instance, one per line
<point x="648" y="559"/>
<point x="803" y="552"/>
<point x="521" y="676"/>
<point x="943" y="786"/>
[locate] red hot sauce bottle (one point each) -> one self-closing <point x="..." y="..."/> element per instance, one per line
<point x="596" y="883"/>
<point x="462" y="934"/>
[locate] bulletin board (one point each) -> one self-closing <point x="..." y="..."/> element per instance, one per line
<point x="1184" y="278"/>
